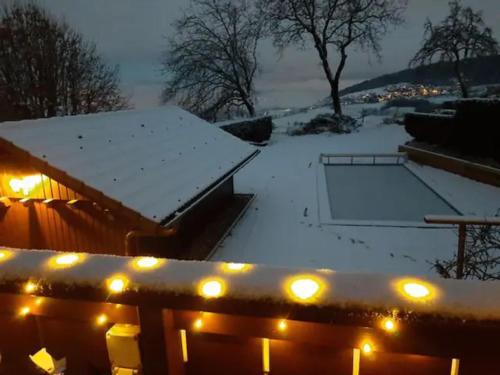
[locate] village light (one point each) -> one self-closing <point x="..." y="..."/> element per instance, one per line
<point x="212" y="288"/>
<point x="306" y="288"/>
<point x="117" y="284"/>
<point x="25" y="184"/>
<point x="147" y="262"/>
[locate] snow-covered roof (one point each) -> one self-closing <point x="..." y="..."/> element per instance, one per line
<point x="152" y="161"/>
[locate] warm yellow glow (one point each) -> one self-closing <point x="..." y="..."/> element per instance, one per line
<point x="305" y="288"/>
<point x="30" y="287"/>
<point x="389" y="325"/>
<point x="65" y="260"/>
<point x="146" y="263"/>
<point x="455" y="366"/>
<point x="24" y="311"/>
<point x="117" y="284"/>
<point x="38" y="301"/>
<point x="212" y="288"/>
<point x="282" y="325"/>
<point x="416" y="290"/>
<point x="5" y="255"/>
<point x="367" y="348"/>
<point x="356" y="359"/>
<point x="236" y="267"/>
<point x="198" y="324"/>
<point x="25" y="184"/>
<point x="101" y="319"/>
<point x="266" y="360"/>
<point x="184" y="345"/>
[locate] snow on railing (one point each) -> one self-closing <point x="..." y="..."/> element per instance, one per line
<point x="312" y="295"/>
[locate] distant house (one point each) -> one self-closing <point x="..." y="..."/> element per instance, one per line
<point x="156" y="182"/>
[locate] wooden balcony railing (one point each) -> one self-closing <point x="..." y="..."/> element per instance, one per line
<point x="224" y="318"/>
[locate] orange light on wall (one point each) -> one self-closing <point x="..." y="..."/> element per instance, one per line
<point x="26" y="184"/>
<point x="30" y="287"/>
<point x="282" y="325"/>
<point x="198" y="324"/>
<point x="389" y="325"/>
<point x="101" y="319"/>
<point x="24" y="311"/>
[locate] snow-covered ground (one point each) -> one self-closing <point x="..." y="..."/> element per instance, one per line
<point x="282" y="227"/>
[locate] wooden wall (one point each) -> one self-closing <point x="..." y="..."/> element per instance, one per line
<point x="37" y="224"/>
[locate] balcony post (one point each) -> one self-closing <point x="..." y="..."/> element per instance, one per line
<point x="160" y="351"/>
<point x="462" y="236"/>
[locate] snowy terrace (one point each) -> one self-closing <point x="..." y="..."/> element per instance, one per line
<point x="283" y="227"/>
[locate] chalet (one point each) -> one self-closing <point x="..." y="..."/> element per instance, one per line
<point x="151" y="182"/>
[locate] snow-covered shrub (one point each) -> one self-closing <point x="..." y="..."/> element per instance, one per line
<point x="430" y="128"/>
<point x="326" y="122"/>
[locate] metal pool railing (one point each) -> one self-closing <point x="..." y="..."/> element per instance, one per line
<point x="363" y="159"/>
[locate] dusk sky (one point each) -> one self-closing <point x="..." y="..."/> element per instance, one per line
<point x="132" y="33"/>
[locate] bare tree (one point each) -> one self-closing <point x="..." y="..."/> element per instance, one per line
<point x="461" y="35"/>
<point x="211" y="63"/>
<point x="482" y="255"/>
<point x="341" y="24"/>
<point x="46" y="69"/>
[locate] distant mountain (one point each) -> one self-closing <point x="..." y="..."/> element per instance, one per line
<point x="480" y="71"/>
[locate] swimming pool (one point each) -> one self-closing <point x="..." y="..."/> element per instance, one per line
<point x="367" y="190"/>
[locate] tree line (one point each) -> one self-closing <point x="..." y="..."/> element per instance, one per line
<point x="211" y="62"/>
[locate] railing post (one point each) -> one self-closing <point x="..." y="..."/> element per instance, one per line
<point x="462" y="236"/>
<point x="158" y="347"/>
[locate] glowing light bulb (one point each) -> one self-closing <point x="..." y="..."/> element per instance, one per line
<point x="389" y="325"/>
<point x="305" y="289"/>
<point x="236" y="266"/>
<point x="147" y="262"/>
<point x="39" y="301"/>
<point x="67" y="259"/>
<point x="30" y="287"/>
<point x="198" y="324"/>
<point x="212" y="288"/>
<point x="282" y="325"/>
<point x="367" y="348"/>
<point x="101" y="319"/>
<point x="117" y="284"/>
<point x="416" y="290"/>
<point x="5" y="255"/>
<point x="24" y="311"/>
<point x="25" y="184"/>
